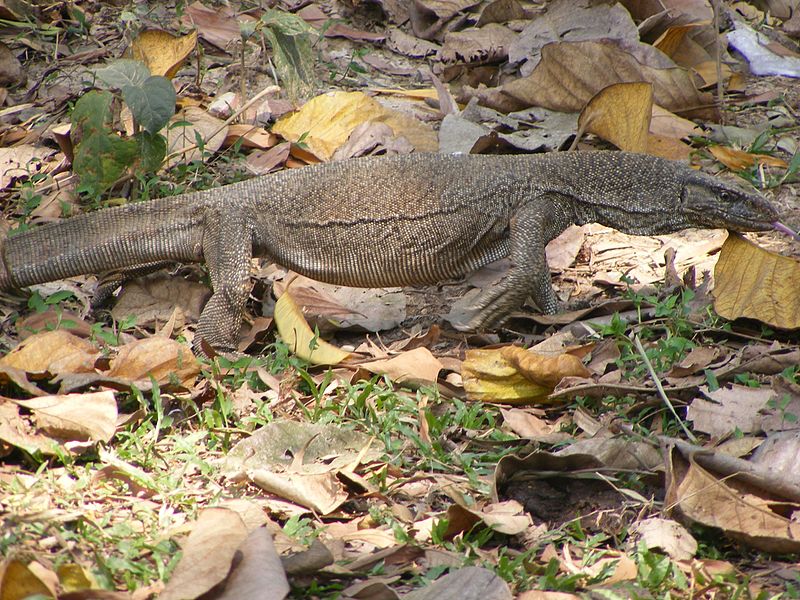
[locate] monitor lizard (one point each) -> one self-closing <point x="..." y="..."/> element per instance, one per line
<point x="387" y="221"/>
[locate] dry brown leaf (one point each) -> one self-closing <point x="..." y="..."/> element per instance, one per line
<point x="569" y="74"/>
<point x="259" y="573"/>
<point x="153" y="300"/>
<point x="22" y="161"/>
<point x="326" y="122"/>
<point x="544" y="369"/>
<point x="571" y="21"/>
<point x="741" y="511"/>
<point x="55" y="352"/>
<point x="508" y="517"/>
<point x="416" y="366"/>
<point x="562" y="251"/>
<point x="263" y="162"/>
<point x="16" y="430"/>
<point x="739" y="160"/>
<point x="296" y="333"/>
<point x="729" y="409"/>
<point x="218" y="25"/>
<point x="208" y="554"/>
<point x="525" y="424"/>
<point x="667" y="535"/>
<point x="667" y="124"/>
<point x="477" y="46"/>
<point x="756" y="283"/>
<point x="78" y="417"/>
<point x="321" y="492"/>
<point x="469" y="583"/>
<point x="250" y="135"/>
<point x="620" y="114"/>
<point x="163" y="359"/>
<point x="183" y="129"/>
<point x="162" y="52"/>
<point x="667" y="147"/>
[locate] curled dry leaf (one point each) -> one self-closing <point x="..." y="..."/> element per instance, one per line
<point x="765" y="290"/>
<point x="294" y="330"/>
<point x="162" y="52"/>
<point x="620" y="114"/>
<point x="739" y="160"/>
<point x="513" y="375"/>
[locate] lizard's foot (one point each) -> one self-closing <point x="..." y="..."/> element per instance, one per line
<point x="494" y="306"/>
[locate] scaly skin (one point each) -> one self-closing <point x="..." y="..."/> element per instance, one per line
<point x="400" y="220"/>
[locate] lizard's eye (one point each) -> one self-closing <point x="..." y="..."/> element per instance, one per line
<point x="725" y="196"/>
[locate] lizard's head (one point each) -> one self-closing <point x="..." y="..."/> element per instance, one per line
<point x="709" y="202"/>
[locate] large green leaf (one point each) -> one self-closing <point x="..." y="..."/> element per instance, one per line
<point x="123" y="72"/>
<point x="101" y="156"/>
<point x="152" y="103"/>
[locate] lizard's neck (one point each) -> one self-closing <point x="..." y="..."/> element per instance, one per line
<point x="637" y="219"/>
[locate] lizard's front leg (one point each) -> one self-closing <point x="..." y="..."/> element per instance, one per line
<point x="227" y="250"/>
<point x="531" y="228"/>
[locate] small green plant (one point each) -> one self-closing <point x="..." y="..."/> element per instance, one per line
<point x="102" y="155"/>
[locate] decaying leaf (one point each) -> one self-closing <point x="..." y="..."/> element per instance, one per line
<point x="620" y="114"/>
<point x="766" y="290"/>
<point x="294" y="330"/>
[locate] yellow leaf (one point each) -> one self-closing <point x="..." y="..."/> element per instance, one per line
<point x="325" y="122"/>
<point x="512" y="375"/>
<point x="542" y="368"/>
<point x="739" y="160"/>
<point x="755" y="283"/>
<point x="162" y="52"/>
<point x="298" y="336"/>
<point x="620" y="114"/>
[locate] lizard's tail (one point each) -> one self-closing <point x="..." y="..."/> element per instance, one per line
<point x="5" y="278"/>
<point x="168" y="229"/>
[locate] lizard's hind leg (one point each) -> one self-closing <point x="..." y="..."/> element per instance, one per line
<point x="227" y="250"/>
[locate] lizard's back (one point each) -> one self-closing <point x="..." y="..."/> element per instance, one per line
<point x="408" y="221"/>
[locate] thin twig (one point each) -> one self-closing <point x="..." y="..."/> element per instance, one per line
<point x="268" y="90"/>
<point x="660" y="388"/>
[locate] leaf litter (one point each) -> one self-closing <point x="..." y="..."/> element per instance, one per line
<point x="405" y="491"/>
